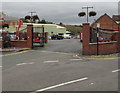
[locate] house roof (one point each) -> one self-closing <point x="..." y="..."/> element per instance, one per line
<point x="8" y="18"/>
<point x="40" y="25"/>
<point x="103" y="16"/>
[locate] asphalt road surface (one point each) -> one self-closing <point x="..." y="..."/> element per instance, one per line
<point x="56" y="68"/>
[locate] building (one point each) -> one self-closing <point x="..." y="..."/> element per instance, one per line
<point x="116" y="18"/>
<point x="107" y="27"/>
<point x="50" y="28"/>
<point x="10" y="20"/>
<point x="106" y="22"/>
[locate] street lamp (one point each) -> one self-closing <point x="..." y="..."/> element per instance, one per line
<point x="32" y="18"/>
<point x="87" y="11"/>
<point x="91" y="13"/>
<point x="31" y="15"/>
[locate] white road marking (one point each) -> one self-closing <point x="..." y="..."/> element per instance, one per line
<point x="31" y="63"/>
<point x="62" y="84"/>
<point x="91" y="83"/>
<point x="24" y="64"/>
<point x="0" y="66"/>
<point x="116" y="70"/>
<point x="21" y="64"/>
<point x="75" y="59"/>
<point x="55" y="61"/>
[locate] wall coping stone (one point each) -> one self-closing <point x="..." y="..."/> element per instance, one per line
<point x="103" y="43"/>
<point x="18" y="40"/>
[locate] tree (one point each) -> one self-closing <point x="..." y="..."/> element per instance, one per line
<point x="61" y="23"/>
<point x="74" y="29"/>
<point x="43" y="21"/>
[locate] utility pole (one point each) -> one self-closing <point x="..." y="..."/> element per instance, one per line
<point x="43" y="35"/>
<point x="87" y="7"/>
<point x="98" y="26"/>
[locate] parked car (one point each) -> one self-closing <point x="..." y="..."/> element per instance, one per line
<point x="49" y="37"/>
<point x="58" y="37"/>
<point x="67" y="36"/>
<point x="53" y="37"/>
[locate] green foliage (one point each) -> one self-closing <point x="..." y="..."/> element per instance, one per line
<point x="61" y="23"/>
<point x="74" y="29"/>
<point x="42" y="21"/>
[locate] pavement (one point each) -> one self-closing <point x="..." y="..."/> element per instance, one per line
<point x="41" y="70"/>
<point x="111" y="56"/>
<point x="13" y="49"/>
<point x="54" y="68"/>
<point x="107" y="56"/>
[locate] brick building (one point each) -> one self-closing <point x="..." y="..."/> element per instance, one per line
<point x="116" y="18"/>
<point x="106" y="22"/>
<point x="10" y="20"/>
<point x="109" y="29"/>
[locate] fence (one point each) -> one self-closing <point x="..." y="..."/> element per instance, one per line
<point x="105" y="43"/>
<point x="25" y="38"/>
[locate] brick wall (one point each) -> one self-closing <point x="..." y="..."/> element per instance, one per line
<point x="29" y="42"/>
<point x="24" y="43"/>
<point x="103" y="48"/>
<point x="19" y="43"/>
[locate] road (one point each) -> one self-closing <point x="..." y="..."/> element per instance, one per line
<point x="55" y="68"/>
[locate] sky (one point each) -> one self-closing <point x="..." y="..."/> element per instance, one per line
<point x="65" y="12"/>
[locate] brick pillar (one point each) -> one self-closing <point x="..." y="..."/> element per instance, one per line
<point x="118" y="42"/>
<point x="46" y="37"/>
<point x="86" y="38"/>
<point x="20" y="36"/>
<point x="30" y="36"/>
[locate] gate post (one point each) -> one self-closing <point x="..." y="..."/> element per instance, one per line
<point x="46" y="37"/>
<point x="86" y="38"/>
<point x="30" y="36"/>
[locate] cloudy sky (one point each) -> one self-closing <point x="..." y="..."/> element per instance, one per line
<point x="65" y="12"/>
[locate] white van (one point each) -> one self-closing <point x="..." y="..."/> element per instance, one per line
<point x="67" y="36"/>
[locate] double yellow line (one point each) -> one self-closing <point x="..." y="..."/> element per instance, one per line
<point x="77" y="56"/>
<point x="16" y="53"/>
<point x="85" y="57"/>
